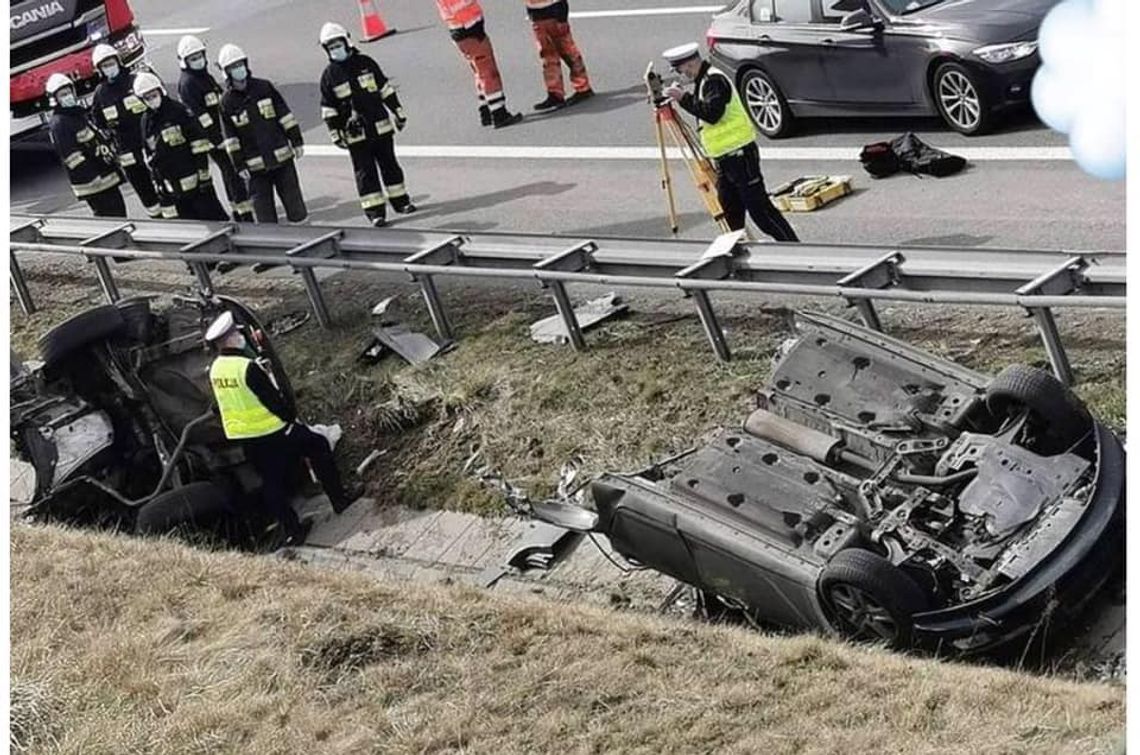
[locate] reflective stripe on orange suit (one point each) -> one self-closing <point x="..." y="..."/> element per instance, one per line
<point x="555" y="45"/>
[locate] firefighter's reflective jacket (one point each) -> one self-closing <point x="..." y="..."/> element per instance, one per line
<point x="356" y="99"/>
<point x="177" y="148"/>
<point x="86" y="154"/>
<point x="260" y="130"/>
<point x="202" y="96"/>
<point x="116" y="110"/>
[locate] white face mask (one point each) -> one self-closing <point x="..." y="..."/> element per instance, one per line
<point x="65" y="98"/>
<point x="338" y="52"/>
<point x="153" y="100"/>
<point x="196" y="62"/>
<point x="239" y="73"/>
<point x="110" y="70"/>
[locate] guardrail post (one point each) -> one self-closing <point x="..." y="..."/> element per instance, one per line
<point x="116" y="238"/>
<point x="218" y="242"/>
<point x="717" y="263"/>
<point x="882" y="273"/>
<point x="325" y="246"/>
<point x="577" y="259"/>
<point x="23" y="293"/>
<point x="446" y="252"/>
<point x="1066" y="278"/>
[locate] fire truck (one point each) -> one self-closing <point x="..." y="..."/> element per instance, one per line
<point x="57" y="36"/>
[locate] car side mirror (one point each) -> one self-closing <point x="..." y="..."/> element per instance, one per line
<point x="859" y="19"/>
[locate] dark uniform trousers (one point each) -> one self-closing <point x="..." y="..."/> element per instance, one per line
<point x="236" y="190"/>
<point x="276" y="458"/>
<point x="200" y="205"/>
<point x="109" y="203"/>
<point x="139" y="178"/>
<point x="740" y="187"/>
<point x="284" y="179"/>
<point x="366" y="156"/>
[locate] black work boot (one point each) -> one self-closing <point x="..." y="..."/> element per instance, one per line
<point x="552" y="102"/>
<point x="297" y="536"/>
<point x="402" y="205"/>
<point x="502" y="118"/>
<point x="377" y="220"/>
<point x="580" y="96"/>
<point x="484" y="115"/>
<point x="350" y="495"/>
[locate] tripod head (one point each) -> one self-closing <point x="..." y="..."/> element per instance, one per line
<point x="655" y="87"/>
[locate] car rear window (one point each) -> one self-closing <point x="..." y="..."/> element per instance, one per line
<point x="762" y="11"/>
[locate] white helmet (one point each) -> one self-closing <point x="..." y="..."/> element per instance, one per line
<point x="222" y="325"/>
<point x="103" y="53"/>
<point x="187" y="46"/>
<point x="56" y="82"/>
<point x="331" y="31"/>
<point x="146" y="82"/>
<point x="230" y="54"/>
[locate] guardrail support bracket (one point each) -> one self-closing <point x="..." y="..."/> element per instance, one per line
<point x="447" y="252"/>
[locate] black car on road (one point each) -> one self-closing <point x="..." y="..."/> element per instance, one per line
<point x="964" y="60"/>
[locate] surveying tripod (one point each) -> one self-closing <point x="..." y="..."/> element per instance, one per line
<point x="701" y="168"/>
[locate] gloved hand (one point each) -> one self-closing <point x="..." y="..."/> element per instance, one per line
<point x="400" y="123"/>
<point x="338" y="140"/>
<point x="299" y="151"/>
<point x="674" y="92"/>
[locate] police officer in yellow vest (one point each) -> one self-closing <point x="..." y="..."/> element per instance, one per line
<point x="256" y="415"/>
<point x="729" y="139"/>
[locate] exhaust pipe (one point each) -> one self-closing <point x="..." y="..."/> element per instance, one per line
<point x="803" y="440"/>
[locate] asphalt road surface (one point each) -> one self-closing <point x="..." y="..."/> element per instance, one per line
<point x="591" y="169"/>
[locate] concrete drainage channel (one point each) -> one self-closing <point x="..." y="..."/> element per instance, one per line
<point x="515" y="555"/>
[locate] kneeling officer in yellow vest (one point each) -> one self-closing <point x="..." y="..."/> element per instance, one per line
<point x="729" y="139"/>
<point x="256" y="415"/>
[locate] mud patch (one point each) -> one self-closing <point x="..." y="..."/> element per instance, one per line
<point x="347" y="652"/>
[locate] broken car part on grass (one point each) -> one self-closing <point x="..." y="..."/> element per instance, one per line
<point x="887" y="494"/>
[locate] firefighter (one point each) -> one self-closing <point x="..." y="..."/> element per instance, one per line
<point x="549" y="20"/>
<point x="263" y="137"/>
<point x="464" y="20"/>
<point x="202" y="96"/>
<point x="117" y="111"/>
<point x="177" y="151"/>
<point x="729" y="139"/>
<point x="88" y="156"/>
<point x="255" y="414"/>
<point x="362" y="112"/>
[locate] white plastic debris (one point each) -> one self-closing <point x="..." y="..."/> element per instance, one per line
<point x="331" y="433"/>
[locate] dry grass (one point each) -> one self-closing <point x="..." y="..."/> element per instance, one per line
<point x="148" y="647"/>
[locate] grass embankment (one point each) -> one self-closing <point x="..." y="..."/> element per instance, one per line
<point x="121" y="645"/>
<point x="647" y="387"/>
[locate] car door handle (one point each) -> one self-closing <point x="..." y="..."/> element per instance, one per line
<point x="828" y="41"/>
<point x="765" y="39"/>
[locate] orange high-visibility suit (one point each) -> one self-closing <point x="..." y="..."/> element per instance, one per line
<point x="549" y="19"/>
<point x="464" y="20"/>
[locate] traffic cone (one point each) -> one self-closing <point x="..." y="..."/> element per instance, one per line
<point x="372" y="26"/>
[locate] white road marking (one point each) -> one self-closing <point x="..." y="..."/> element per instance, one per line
<point x="174" y="32"/>
<point x="645" y="11"/>
<point x="815" y="154"/>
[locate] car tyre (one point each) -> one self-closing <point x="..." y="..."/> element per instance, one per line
<point x="765" y="104"/>
<point x="197" y="506"/>
<point x="1063" y="417"/>
<point x="869" y="599"/>
<point x="87" y="327"/>
<point x="960" y="99"/>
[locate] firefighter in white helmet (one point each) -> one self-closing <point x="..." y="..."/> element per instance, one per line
<point x="202" y="96"/>
<point x="263" y="137"/>
<point x="177" y="150"/>
<point x="116" y="110"/>
<point x="363" y="112"/>
<point x="86" y="154"/>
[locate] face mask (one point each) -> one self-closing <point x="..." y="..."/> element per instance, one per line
<point x="111" y="71"/>
<point x="153" y="101"/>
<point x="239" y="73"/>
<point x="196" y="62"/>
<point x="65" y="99"/>
<point x="338" y="53"/>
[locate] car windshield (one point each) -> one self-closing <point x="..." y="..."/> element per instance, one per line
<point x="902" y="7"/>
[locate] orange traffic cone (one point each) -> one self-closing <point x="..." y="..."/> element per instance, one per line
<point x="372" y="26"/>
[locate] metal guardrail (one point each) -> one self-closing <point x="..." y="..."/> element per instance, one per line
<point x="1036" y="281"/>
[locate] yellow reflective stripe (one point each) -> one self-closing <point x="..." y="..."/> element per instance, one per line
<point x="396" y="190"/>
<point x="328" y="112"/>
<point x="188" y="183"/>
<point x="169" y="212"/>
<point x="200" y="146"/>
<point x="127" y="159"/>
<point x="243" y="414"/>
<point x="233" y="146"/>
<point x="96" y="185"/>
<point x="74" y="160"/>
<point x="255" y="163"/>
<point x="205" y="120"/>
<point x="342" y="90"/>
<point x="368" y="201"/>
<point x="288" y="121"/>
<point x="387" y="91"/>
<point x="84" y="135"/>
<point x="400" y="114"/>
<point x="243" y="207"/>
<point x="204" y="175"/>
<point x="384" y="127"/>
<point x="281" y="154"/>
<point x="154" y="211"/>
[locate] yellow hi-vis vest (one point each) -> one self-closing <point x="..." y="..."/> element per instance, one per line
<point x="733" y="130"/>
<point x="243" y="414"/>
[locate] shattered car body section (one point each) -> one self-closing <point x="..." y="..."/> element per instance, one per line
<point x="887" y="494"/>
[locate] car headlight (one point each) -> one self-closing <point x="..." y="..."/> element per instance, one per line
<point x="98" y="29"/>
<point x="1007" y="52"/>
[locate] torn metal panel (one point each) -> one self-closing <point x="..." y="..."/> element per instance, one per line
<point x="553" y="330"/>
<point x="541" y="546"/>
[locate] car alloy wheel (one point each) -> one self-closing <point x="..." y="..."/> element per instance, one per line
<point x="960" y="101"/>
<point x="862" y="615"/>
<point x="764" y="104"/>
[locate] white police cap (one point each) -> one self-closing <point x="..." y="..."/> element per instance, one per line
<point x="221" y="325"/>
<point x="681" y="53"/>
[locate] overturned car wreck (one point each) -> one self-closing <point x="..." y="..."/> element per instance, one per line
<point x="888" y="495"/>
